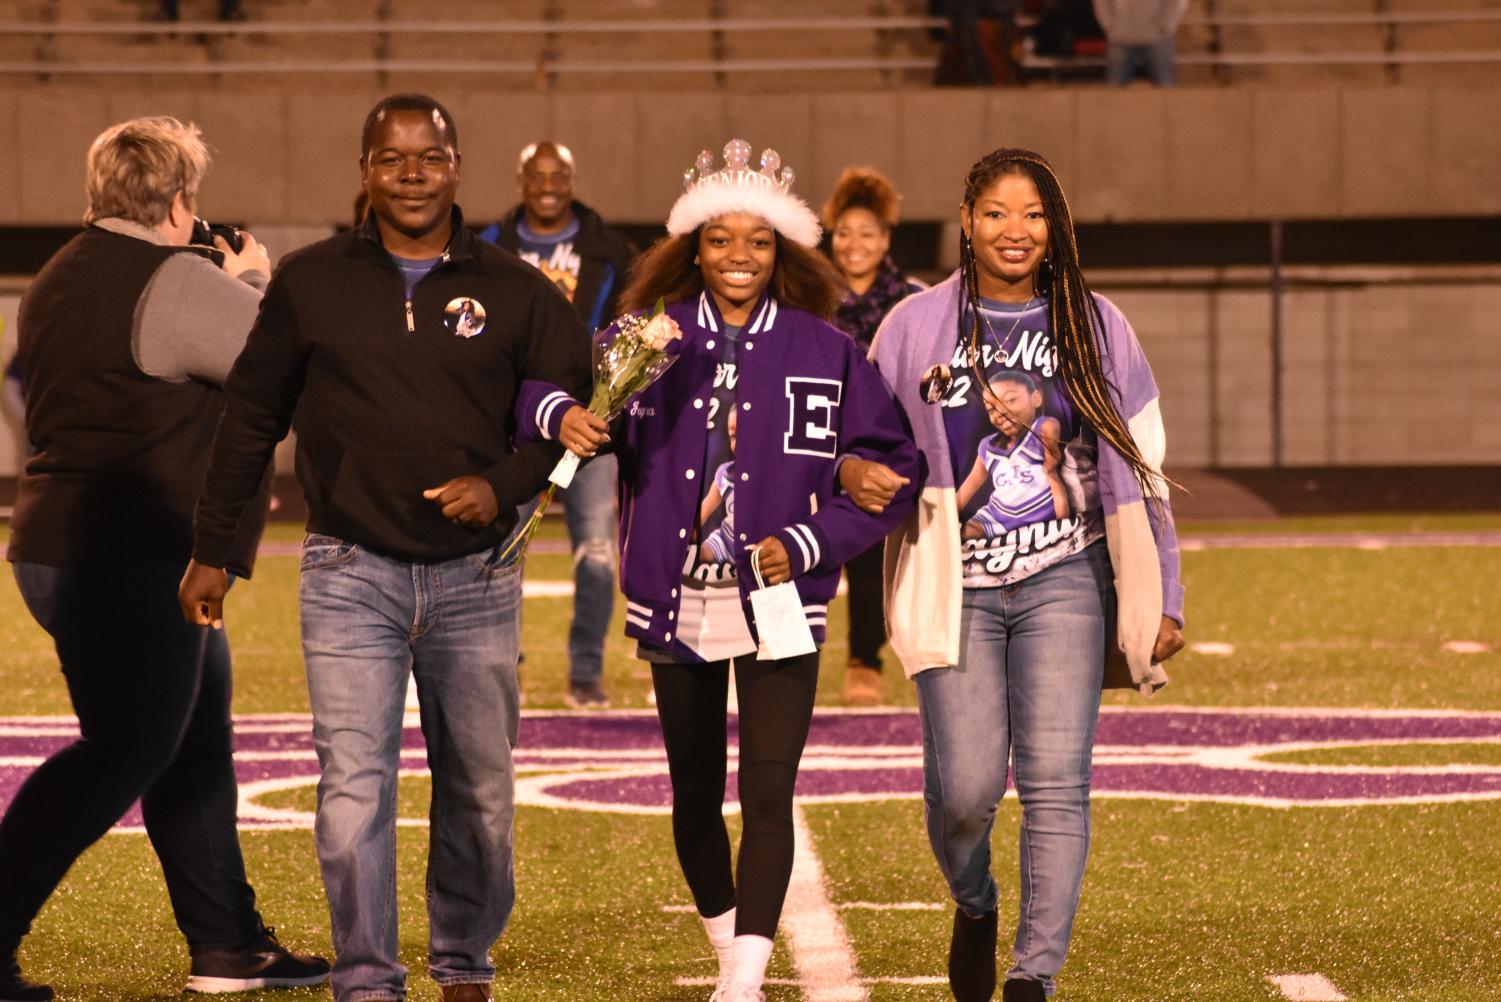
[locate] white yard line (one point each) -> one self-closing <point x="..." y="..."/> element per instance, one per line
<point x="1307" y="987"/>
<point x="816" y="937"/>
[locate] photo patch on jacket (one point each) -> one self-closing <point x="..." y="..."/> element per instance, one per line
<point x="464" y="316"/>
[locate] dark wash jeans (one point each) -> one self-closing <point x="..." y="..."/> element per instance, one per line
<point x="152" y="697"/>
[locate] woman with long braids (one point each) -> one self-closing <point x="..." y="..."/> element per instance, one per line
<point x="859" y="216"/>
<point x="770" y="451"/>
<point x="1017" y="377"/>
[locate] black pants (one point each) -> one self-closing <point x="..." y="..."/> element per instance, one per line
<point x="776" y="708"/>
<point x="152" y="695"/>
<point x="867" y="612"/>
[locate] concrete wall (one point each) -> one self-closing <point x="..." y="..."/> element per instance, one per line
<point x="1398" y="373"/>
<point x="1135" y="154"/>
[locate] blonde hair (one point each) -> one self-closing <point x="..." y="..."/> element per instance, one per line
<point x="135" y="168"/>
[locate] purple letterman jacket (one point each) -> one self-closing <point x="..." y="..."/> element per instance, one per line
<point x="807" y="398"/>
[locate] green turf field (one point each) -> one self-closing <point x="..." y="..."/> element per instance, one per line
<point x="1184" y="899"/>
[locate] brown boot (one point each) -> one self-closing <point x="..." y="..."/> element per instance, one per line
<point x="862" y="685"/>
<point x="465" y="993"/>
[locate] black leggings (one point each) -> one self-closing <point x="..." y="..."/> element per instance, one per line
<point x="776" y="707"/>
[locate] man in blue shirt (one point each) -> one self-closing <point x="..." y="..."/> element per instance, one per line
<point x="569" y="243"/>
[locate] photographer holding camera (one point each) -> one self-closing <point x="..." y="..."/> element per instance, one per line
<point x="125" y="337"/>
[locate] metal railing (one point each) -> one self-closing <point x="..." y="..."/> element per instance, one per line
<point x="549" y="64"/>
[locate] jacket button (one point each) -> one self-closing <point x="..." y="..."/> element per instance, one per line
<point x="674" y="593"/>
<point x="682" y="534"/>
<point x="667" y="636"/>
<point x="749" y="345"/>
<point x="671" y="616"/>
<point x="689" y="474"/>
<point x="745" y="406"/>
<point x="698" y="405"/>
<point x="709" y="344"/>
<point x="742" y="537"/>
<point x="745" y="476"/>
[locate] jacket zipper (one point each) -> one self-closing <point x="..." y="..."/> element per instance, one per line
<point x="411" y="324"/>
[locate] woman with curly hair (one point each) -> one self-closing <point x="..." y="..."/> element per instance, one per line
<point x="1014" y="367"/>
<point x="859" y="217"/>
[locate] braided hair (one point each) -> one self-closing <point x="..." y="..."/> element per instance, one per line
<point x="1072" y="311"/>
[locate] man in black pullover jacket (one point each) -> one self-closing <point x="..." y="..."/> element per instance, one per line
<point x="399" y="347"/>
<point x="570" y="244"/>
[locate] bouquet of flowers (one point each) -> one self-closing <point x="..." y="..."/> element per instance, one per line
<point x="630" y="363"/>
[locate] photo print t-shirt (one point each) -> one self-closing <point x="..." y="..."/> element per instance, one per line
<point x="552" y="254"/>
<point x="1024" y="461"/>
<point x="711" y="620"/>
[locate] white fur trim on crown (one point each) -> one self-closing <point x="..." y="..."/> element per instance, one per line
<point x="787" y="214"/>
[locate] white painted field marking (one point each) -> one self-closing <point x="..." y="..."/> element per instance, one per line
<point x="928" y="979"/>
<point x="1213" y="647"/>
<point x="1467" y="647"/>
<point x="1307" y="987"/>
<point x="894" y="906"/>
<point x="816" y="937"/>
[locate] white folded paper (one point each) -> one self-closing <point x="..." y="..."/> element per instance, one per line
<point x="562" y="474"/>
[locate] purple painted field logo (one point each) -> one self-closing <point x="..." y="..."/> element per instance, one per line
<point x="614" y="761"/>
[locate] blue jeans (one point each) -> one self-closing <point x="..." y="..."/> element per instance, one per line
<point x="1027" y="688"/>
<point x="590" y="510"/>
<point x="368" y="620"/>
<point x="1159" y="59"/>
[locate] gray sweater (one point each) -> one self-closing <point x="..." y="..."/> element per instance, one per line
<point x="1139" y="22"/>
<point x="192" y="319"/>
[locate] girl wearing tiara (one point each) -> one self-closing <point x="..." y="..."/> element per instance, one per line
<point x="741" y="276"/>
<point x="1032" y="396"/>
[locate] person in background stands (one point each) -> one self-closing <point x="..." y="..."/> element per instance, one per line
<point x="125" y="337"/>
<point x="1140" y="34"/>
<point x="859" y="216"/>
<point x="569" y="243"/>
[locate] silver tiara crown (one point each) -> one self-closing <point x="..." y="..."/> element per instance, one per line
<point x="737" y="154"/>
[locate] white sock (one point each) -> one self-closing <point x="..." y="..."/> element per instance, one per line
<point x="748" y="961"/>
<point x="721" y="930"/>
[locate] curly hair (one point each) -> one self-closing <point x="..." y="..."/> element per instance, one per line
<point x="863" y="188"/>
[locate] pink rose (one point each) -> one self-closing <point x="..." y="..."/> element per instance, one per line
<point x="661" y="331"/>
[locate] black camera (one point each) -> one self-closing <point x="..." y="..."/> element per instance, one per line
<point x="204" y="233"/>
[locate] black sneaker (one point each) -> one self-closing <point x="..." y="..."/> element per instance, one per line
<point x="264" y="963"/>
<point x="15" y="988"/>
<point x="587" y="696"/>
<point x="972" y="957"/>
<point x="1023" y="990"/>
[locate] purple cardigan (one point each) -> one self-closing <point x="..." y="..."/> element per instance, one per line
<point x="807" y="398"/>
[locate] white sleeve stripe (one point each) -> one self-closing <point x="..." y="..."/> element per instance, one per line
<point x="644" y="610"/>
<point x="812" y="543"/>
<point x="645" y="624"/>
<point x="549" y="407"/>
<point x="798" y="539"/>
